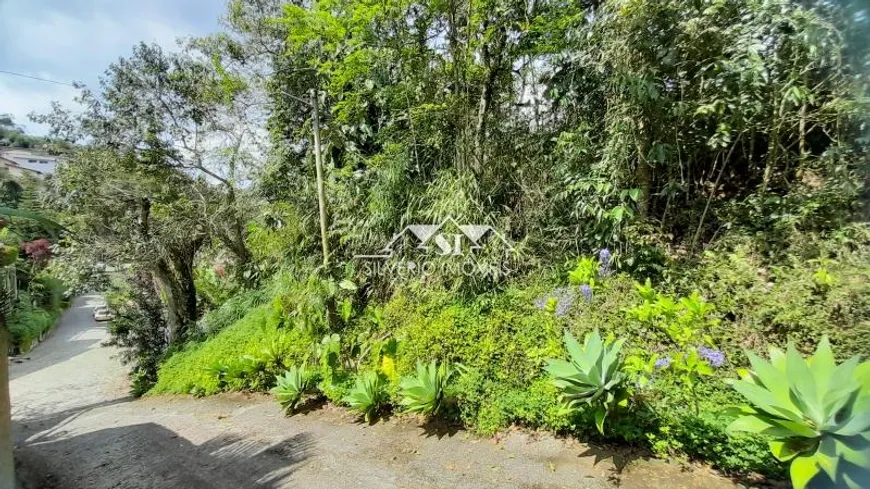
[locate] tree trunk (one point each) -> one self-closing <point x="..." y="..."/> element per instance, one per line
<point x="643" y="177"/>
<point x="235" y="238"/>
<point x="491" y="56"/>
<point x="235" y="242"/>
<point x="321" y="193"/>
<point x="772" y="148"/>
<point x="174" y="279"/>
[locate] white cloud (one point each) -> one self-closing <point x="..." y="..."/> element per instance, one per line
<point x="20" y="97"/>
<point x="70" y="40"/>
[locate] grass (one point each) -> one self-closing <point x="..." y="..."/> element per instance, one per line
<point x="188" y="371"/>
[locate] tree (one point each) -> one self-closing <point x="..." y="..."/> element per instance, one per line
<point x="163" y="146"/>
<point x="568" y="123"/>
<point x="13" y="135"/>
<point x="194" y="114"/>
<point x="136" y="217"/>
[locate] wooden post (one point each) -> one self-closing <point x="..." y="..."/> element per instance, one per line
<point x="7" y="464"/>
<point x="318" y="164"/>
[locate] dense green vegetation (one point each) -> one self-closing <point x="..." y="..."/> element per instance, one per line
<point x="25" y="264"/>
<point x="677" y="182"/>
<point x="13" y="136"/>
<point x="504" y="340"/>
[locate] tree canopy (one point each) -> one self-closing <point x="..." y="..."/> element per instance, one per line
<point x="652" y="128"/>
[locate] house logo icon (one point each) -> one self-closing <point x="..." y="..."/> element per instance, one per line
<point x="441" y="240"/>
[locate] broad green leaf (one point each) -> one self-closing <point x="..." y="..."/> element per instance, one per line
<point x="859" y="422"/>
<point x="827" y="457"/>
<point x="783" y="450"/>
<point x="765" y="400"/>
<point x="771" y="378"/>
<point x="803" y="386"/>
<point x="823" y="364"/>
<point x="749" y="424"/>
<point x="575" y="352"/>
<point x="766" y="425"/>
<point x="777" y="358"/>
<point x="802" y="470"/>
<point x="856" y="450"/>
<point x="600" y="414"/>
<point x="862" y="375"/>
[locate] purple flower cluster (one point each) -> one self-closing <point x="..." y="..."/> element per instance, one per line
<point x="564" y="298"/>
<point x="604" y="262"/>
<point x="664" y="362"/>
<point x="587" y="292"/>
<point x="713" y="356"/>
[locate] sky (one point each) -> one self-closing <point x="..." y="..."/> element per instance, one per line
<point x="76" y="40"/>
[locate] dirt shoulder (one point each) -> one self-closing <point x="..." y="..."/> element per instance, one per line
<point x="75" y="427"/>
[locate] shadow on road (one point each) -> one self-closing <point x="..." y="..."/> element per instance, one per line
<point x="152" y="456"/>
<point x="32" y="428"/>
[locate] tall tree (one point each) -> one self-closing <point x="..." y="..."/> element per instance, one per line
<point x="193" y="113"/>
<point x="135" y="216"/>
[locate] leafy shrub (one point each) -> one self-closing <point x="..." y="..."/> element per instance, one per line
<point x="230" y="311"/>
<point x="212" y="285"/>
<point x="592" y="375"/>
<point x="488" y="407"/>
<point x="584" y="273"/>
<point x="38" y="250"/>
<point x="47" y="292"/>
<point x="336" y="387"/>
<point x="368" y="395"/>
<point x="766" y="304"/>
<point x="665" y="418"/>
<point x="8" y="254"/>
<point x="688" y="324"/>
<point x="501" y="336"/>
<point x="26" y="322"/>
<point x="196" y="367"/>
<point x="504" y="339"/>
<point x="290" y="388"/>
<point x="816" y="412"/>
<point x="425" y="393"/>
<point x="140" y="330"/>
<point x="279" y="237"/>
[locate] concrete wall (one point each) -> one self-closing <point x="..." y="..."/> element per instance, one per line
<point x="7" y="465"/>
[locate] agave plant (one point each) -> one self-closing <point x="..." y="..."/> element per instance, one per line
<point x="368" y="395"/>
<point x="424" y="393"/>
<point x="290" y="387"/>
<point x="816" y="412"/>
<point x="592" y="375"/>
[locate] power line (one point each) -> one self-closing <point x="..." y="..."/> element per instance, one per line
<point x="35" y="78"/>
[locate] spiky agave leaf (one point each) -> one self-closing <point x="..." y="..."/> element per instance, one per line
<point x="816" y="412"/>
<point x="290" y="387"/>
<point x="424" y="392"/>
<point x="592" y="375"/>
<point x="368" y="395"/>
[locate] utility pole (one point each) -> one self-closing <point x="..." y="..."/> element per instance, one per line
<point x="318" y="164"/>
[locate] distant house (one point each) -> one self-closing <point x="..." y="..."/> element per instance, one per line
<point x="16" y="171"/>
<point x="34" y="163"/>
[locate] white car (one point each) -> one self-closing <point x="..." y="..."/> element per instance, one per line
<point x="102" y="313"/>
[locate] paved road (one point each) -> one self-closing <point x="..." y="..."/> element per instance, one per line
<point x="75" y="427"/>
